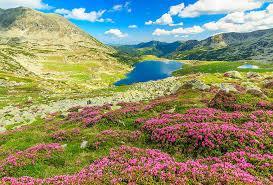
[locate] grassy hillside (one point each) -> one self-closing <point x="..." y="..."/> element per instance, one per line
<point x="255" y="45"/>
<point x="76" y="62"/>
<point x="222" y="67"/>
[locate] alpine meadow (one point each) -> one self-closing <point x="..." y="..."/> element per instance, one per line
<point x="136" y="92"/>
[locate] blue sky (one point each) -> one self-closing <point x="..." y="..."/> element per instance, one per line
<point x="134" y="21"/>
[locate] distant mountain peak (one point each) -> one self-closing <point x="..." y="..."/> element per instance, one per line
<point x="28" y="24"/>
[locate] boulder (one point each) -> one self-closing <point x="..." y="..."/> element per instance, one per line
<point x="233" y="74"/>
<point x="256" y="92"/>
<point x="268" y="84"/>
<point x="196" y="84"/>
<point x="226" y="87"/>
<point x="253" y="75"/>
<point x="251" y="88"/>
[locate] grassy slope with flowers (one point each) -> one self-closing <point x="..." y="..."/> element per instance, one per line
<point x="189" y="137"/>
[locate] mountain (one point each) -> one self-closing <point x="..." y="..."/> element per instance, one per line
<point x="257" y="45"/>
<point x="50" y="47"/>
<point x="151" y="48"/>
<point x="28" y="24"/>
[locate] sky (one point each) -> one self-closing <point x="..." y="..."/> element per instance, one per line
<point x="135" y="21"/>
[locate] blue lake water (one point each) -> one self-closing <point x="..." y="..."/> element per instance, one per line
<point x="150" y="70"/>
<point x="248" y="66"/>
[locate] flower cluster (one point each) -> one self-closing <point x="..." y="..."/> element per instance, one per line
<point x="129" y="165"/>
<point x="88" y="115"/>
<point x="28" y="157"/>
<point x="109" y="113"/>
<point x="207" y="129"/>
<point x="265" y="105"/>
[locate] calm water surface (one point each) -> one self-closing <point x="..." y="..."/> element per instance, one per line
<point x="248" y="66"/>
<point x="150" y="70"/>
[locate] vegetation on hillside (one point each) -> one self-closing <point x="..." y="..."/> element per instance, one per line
<point x="255" y="45"/>
<point x="225" y="135"/>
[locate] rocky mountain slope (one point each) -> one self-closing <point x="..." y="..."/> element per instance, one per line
<point x="257" y="45"/>
<point x="49" y="48"/>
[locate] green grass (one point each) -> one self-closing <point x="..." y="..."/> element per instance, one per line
<point x="222" y="67"/>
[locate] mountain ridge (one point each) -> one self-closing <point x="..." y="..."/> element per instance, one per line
<point x="255" y="45"/>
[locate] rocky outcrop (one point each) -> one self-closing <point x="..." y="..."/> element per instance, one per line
<point x="253" y="75"/>
<point x="268" y="84"/>
<point x="196" y="84"/>
<point x="227" y="87"/>
<point x="251" y="88"/>
<point x="233" y="74"/>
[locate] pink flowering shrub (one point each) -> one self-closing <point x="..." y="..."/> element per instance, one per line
<point x="65" y="135"/>
<point x="197" y="115"/>
<point x="265" y="105"/>
<point x="115" y="136"/>
<point x="129" y="165"/>
<point x="127" y="110"/>
<point x="28" y="157"/>
<point x="88" y="115"/>
<point x="211" y="130"/>
<point x="200" y="137"/>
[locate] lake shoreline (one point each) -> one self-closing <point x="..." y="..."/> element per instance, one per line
<point x="150" y="70"/>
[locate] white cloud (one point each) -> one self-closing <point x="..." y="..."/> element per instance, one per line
<point x="243" y="22"/>
<point x="132" y="26"/>
<point x="37" y="4"/>
<point x="178" y="31"/>
<point x="117" y="7"/>
<point x="120" y="7"/>
<point x="165" y="19"/>
<point x="149" y="22"/>
<point x="174" y="10"/>
<point x="81" y="14"/>
<point x="204" y="7"/>
<point x="177" y="24"/>
<point x="116" y="33"/>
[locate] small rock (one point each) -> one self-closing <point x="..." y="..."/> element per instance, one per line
<point x="84" y="144"/>
<point x="233" y="74"/>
